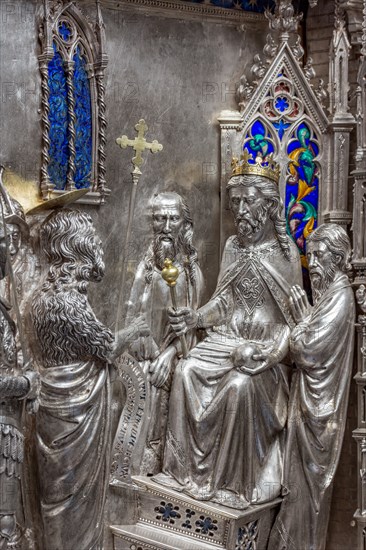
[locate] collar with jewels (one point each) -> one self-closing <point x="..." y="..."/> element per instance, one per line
<point x="254" y="250"/>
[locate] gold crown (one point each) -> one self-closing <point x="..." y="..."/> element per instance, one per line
<point x="265" y="167"/>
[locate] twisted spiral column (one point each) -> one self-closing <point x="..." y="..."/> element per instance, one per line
<point x="102" y="127"/>
<point x="70" y="184"/>
<point x="46" y="185"/>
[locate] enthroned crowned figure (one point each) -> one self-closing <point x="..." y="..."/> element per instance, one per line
<point x="228" y="403"/>
<point x="159" y="352"/>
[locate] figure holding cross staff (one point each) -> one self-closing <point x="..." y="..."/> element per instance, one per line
<point x="158" y="354"/>
<point x="139" y="144"/>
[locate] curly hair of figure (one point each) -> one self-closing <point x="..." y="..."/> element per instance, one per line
<point x="66" y="325"/>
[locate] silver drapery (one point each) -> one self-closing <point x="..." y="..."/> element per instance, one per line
<point x="225" y="435"/>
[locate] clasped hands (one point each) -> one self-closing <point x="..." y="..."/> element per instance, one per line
<point x="300" y="309"/>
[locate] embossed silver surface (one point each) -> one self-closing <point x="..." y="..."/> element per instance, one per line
<point x="321" y="347"/>
<point x="150" y="296"/>
<point x="73" y="423"/>
<point x="228" y="406"/>
<point x="18" y="389"/>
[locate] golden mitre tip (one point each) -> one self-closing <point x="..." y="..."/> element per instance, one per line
<point x="27" y="193"/>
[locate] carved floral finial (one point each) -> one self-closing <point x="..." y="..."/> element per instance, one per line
<point x="270" y="49"/>
<point x="283" y="26"/>
<point x="309" y="69"/>
<point x="284" y="19"/>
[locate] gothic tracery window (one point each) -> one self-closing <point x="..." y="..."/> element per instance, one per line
<point x="283" y="127"/>
<point x="73" y="108"/>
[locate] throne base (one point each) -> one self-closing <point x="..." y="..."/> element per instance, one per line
<point x="169" y="520"/>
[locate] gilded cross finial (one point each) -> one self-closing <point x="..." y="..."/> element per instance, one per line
<point x="139" y="144"/>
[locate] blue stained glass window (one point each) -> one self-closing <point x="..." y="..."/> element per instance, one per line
<point x="258" y="6"/>
<point x="64" y="31"/>
<point x="258" y="128"/>
<point x="302" y="189"/>
<point x="58" y="118"/>
<point x="59" y="121"/>
<point x="258" y="142"/>
<point x="83" y="124"/>
<point x="281" y="127"/>
<point x="281" y="104"/>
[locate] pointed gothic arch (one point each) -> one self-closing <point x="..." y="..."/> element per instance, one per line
<point x="285" y="104"/>
<point x="72" y="67"/>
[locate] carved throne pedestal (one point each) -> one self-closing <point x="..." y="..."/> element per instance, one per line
<point x="170" y="520"/>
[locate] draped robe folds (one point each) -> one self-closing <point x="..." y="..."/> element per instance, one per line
<point x="317" y="418"/>
<point x="152" y="300"/>
<point x="73" y="442"/>
<point x="225" y="433"/>
<point x="11" y="408"/>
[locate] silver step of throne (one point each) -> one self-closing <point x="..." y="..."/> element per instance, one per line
<point x="169" y="520"/>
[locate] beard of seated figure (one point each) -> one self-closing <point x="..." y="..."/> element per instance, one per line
<point x="165" y="247"/>
<point x="246" y="225"/>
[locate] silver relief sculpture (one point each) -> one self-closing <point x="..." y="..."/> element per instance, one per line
<point x="73" y="423"/>
<point x="25" y="267"/>
<point x="66" y="29"/>
<point x="321" y="347"/>
<point x="17" y="386"/>
<point x="228" y="404"/>
<point x="158" y="353"/>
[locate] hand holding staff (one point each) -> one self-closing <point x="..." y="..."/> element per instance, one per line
<point x="170" y="275"/>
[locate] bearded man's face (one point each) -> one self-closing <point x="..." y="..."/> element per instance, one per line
<point x="14" y="236"/>
<point x="168" y="222"/>
<point x="322" y="267"/>
<point x="249" y="208"/>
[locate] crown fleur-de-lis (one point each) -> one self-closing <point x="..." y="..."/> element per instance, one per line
<point x="246" y="156"/>
<point x="261" y="166"/>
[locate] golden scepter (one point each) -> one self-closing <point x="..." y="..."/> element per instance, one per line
<point x="170" y="274"/>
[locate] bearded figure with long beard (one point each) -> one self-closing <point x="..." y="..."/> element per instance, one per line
<point x="228" y="404"/>
<point x="76" y="351"/>
<point x="158" y="353"/>
<point x="321" y="346"/>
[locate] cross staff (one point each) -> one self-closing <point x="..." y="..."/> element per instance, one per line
<point x="139" y="145"/>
